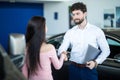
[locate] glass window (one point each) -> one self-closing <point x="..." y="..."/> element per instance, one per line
<point x="114" y="47"/>
<point x="113" y="42"/>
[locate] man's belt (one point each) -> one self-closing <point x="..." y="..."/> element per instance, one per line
<point x="78" y="65"/>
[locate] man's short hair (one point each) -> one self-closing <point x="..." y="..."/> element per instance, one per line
<point x="79" y="6"/>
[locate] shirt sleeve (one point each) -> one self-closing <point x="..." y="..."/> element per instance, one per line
<point x="57" y="63"/>
<point x="104" y="47"/>
<point x="65" y="44"/>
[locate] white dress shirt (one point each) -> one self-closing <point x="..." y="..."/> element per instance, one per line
<point x="79" y="39"/>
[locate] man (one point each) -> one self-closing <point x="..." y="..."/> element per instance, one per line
<point x="79" y="37"/>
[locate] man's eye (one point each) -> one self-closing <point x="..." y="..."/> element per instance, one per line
<point x="77" y="13"/>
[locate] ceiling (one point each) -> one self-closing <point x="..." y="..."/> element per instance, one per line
<point x="34" y="1"/>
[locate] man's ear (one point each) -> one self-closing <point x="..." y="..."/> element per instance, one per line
<point x="85" y="14"/>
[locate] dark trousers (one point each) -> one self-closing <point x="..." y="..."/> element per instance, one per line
<point x="82" y="73"/>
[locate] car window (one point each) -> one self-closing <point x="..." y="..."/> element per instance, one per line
<point x="114" y="46"/>
<point x="56" y="41"/>
<point x="113" y="42"/>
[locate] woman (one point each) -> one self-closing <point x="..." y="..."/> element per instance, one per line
<point x="39" y="54"/>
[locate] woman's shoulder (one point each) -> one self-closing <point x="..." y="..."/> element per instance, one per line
<point x="47" y="47"/>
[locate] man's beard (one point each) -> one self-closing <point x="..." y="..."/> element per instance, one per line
<point x="78" y="22"/>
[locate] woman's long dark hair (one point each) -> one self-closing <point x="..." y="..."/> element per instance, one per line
<point x="35" y="36"/>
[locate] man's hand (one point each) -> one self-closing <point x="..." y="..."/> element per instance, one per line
<point x="91" y="64"/>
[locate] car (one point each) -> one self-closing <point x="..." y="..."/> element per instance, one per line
<point x="108" y="70"/>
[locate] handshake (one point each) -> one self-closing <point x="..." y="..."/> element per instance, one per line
<point x="64" y="54"/>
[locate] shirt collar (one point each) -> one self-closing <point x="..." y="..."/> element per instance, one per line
<point x="87" y="25"/>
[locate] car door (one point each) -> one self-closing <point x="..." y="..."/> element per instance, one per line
<point x="110" y="68"/>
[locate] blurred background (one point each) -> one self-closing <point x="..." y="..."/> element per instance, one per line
<point x="14" y="15"/>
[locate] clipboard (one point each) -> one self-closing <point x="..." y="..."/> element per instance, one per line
<point x="91" y="54"/>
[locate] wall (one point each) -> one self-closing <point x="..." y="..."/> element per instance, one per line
<point x="95" y="13"/>
<point x="59" y="25"/>
<point x="14" y="18"/>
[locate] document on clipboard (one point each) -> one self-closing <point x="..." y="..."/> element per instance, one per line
<point x="91" y="54"/>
